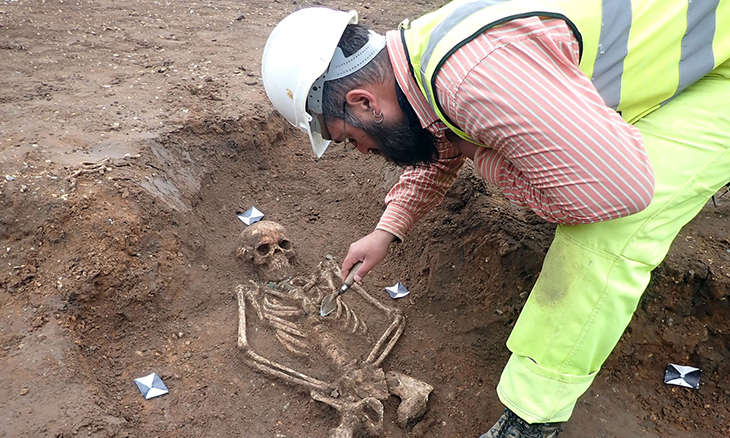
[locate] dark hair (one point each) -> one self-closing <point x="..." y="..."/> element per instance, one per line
<point x="376" y="71"/>
<point x="406" y="144"/>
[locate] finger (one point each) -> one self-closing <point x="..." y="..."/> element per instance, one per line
<point x="347" y="264"/>
<point x="363" y="270"/>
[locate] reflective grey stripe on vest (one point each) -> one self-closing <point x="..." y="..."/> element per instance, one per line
<point x="455" y="17"/>
<point x="613" y="46"/>
<point x="697" y="57"/>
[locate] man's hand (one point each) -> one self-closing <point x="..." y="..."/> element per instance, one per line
<point x="371" y="250"/>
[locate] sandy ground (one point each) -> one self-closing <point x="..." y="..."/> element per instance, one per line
<point x="131" y="135"/>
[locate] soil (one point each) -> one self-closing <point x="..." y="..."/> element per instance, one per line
<point x="131" y="135"/>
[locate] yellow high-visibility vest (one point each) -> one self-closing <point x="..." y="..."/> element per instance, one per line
<point x="639" y="54"/>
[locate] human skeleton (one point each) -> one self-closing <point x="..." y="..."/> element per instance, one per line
<point x="354" y="384"/>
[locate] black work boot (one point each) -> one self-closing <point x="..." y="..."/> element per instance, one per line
<point x="510" y="425"/>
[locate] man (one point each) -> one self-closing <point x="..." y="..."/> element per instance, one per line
<point x="610" y="118"/>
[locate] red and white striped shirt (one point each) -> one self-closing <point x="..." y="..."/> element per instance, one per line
<point x="550" y="142"/>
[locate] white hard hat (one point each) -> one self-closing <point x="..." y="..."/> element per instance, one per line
<point x="296" y="63"/>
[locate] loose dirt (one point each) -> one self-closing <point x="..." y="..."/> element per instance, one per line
<point x="133" y="132"/>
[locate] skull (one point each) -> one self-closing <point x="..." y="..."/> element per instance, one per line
<point x="265" y="243"/>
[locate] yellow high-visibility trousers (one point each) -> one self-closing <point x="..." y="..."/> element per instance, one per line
<point x="594" y="275"/>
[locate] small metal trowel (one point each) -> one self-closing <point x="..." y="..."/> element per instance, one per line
<point x="329" y="303"/>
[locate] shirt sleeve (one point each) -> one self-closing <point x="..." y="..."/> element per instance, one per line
<point x="419" y="190"/>
<point x="551" y="144"/>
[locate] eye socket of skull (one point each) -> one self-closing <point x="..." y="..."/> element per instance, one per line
<point x="285" y="244"/>
<point x="263" y="249"/>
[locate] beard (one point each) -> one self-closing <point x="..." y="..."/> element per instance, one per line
<point x="404" y="143"/>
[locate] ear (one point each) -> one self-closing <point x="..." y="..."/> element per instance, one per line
<point x="362" y="101"/>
